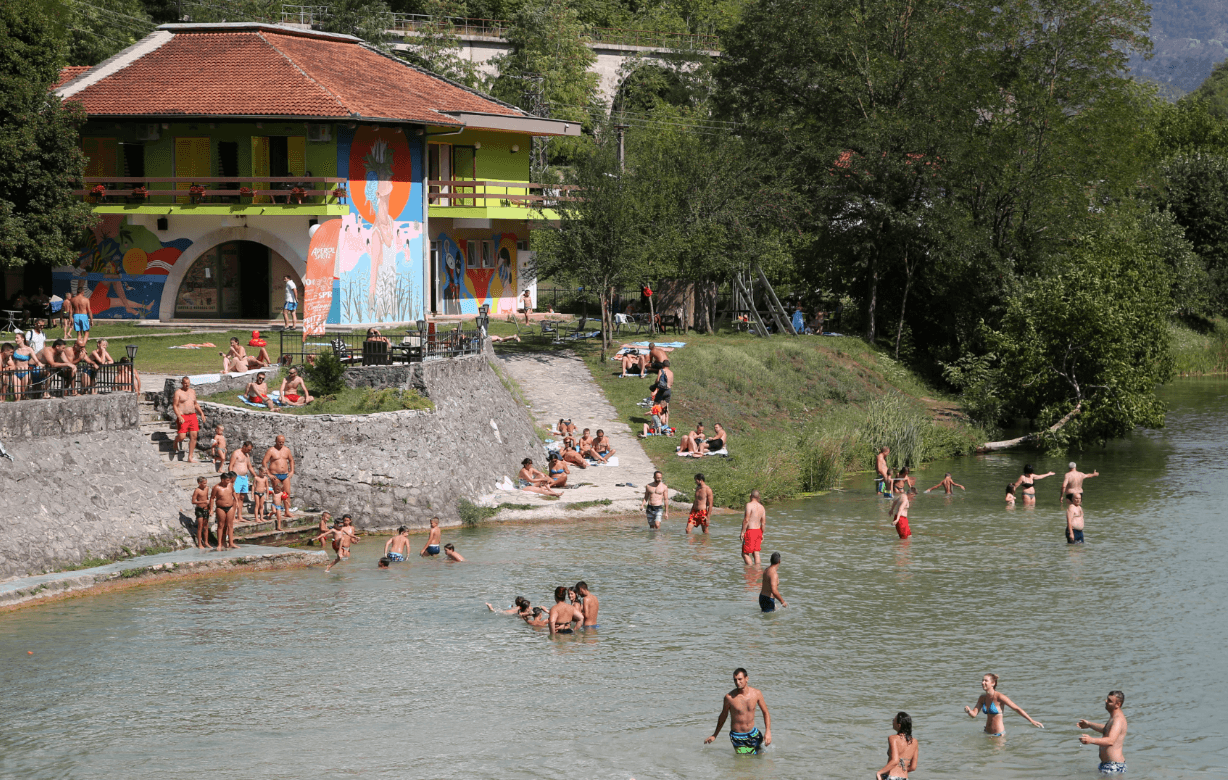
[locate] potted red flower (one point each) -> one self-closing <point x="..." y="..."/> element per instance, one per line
<point x="140" y="191"/>
<point x="245" y="192"/>
<point x="340" y="194"/>
<point x="297" y="193"/>
<point x="196" y="191"/>
<point x="99" y="191"/>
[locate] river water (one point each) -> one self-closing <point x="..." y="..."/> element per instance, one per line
<point x="404" y="673"/>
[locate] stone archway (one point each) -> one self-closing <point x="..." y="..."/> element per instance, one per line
<point x="170" y="291"/>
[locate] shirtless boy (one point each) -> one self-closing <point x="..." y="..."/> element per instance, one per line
<point x="224" y="500"/>
<point x="946" y="484"/>
<point x="562" y="614"/>
<point x="1074" y="519"/>
<point x="217" y="447"/>
<point x="449" y="550"/>
<point x="338" y="535"/>
<point x="739" y="707"/>
<point x="701" y="506"/>
<point x="257" y="392"/>
<point x="588" y="604"/>
<point x="655" y="503"/>
<point x="1072" y="483"/>
<point x="432" y="540"/>
<point x="260" y="486"/>
<point x="754" y="520"/>
<point x="188" y="416"/>
<point x="396" y="549"/>
<point x="1112" y="743"/>
<point x="278" y="461"/>
<point x="769" y="594"/>
<point x="200" y="503"/>
<point x="899" y="515"/>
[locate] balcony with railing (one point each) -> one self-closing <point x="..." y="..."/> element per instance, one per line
<point x="288" y="195"/>
<point x="469" y="198"/>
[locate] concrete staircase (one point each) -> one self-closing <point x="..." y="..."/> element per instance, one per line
<point x="161" y="434"/>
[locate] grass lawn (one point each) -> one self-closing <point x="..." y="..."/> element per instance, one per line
<point x="799" y="412"/>
<point x="362" y="400"/>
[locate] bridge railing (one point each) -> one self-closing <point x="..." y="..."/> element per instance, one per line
<point x="310" y="15"/>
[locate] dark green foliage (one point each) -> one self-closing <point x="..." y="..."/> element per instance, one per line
<point x="1194" y="189"/>
<point x="471" y="514"/>
<point x="40" y="161"/>
<point x="366" y="19"/>
<point x="101" y="28"/>
<point x="327" y="374"/>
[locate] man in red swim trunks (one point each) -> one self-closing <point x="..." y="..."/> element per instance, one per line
<point x="700" y="506"/>
<point x="188" y="416"/>
<point x="753" y="522"/>
<point x="899" y="515"/>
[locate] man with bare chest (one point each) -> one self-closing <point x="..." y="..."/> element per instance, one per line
<point x="278" y="463"/>
<point x="1112" y="743"/>
<point x="224" y="500"/>
<point x="1074" y="519"/>
<point x="240" y="466"/>
<point x="188" y="416"/>
<point x="1072" y="483"/>
<point x="739" y="707"/>
<point x="754" y="520"/>
<point x="701" y="506"/>
<point x="655" y="501"/>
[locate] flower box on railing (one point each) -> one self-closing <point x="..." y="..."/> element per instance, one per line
<point x="297" y="194"/>
<point x="141" y="192"/>
<point x="98" y="192"/>
<point x="340" y="194"/>
<point x="246" y="192"/>
<point x="196" y="192"/>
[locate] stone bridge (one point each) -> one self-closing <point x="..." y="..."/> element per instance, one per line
<point x="484" y="39"/>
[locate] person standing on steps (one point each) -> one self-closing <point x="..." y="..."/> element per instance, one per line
<point x="739" y="707"/>
<point x="1072" y="483"/>
<point x="701" y="506"/>
<point x="1112" y="743"/>
<point x="993" y="704"/>
<point x="188" y="416"/>
<point x="655" y="503"/>
<point x="289" y="313"/>
<point x="200" y="505"/>
<point x="754" y="520"/>
<point x="769" y="594"/>
<point x="240" y="465"/>
<point x="223" y="499"/>
<point x="278" y="462"/>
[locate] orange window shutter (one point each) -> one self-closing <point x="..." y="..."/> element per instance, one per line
<point x="103" y="154"/>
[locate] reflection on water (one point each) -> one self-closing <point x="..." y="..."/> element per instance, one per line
<point x="404" y="673"/>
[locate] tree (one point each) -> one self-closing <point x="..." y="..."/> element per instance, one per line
<point x="101" y="28"/>
<point x="40" y="160"/>
<point x="437" y="46"/>
<point x="1084" y="349"/>
<point x="599" y="240"/>
<point x="1194" y="189"/>
<point x="369" y="20"/>
<point x="1214" y="90"/>
<point x="546" y="73"/>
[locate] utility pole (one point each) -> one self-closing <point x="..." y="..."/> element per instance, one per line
<point x="622" y="148"/>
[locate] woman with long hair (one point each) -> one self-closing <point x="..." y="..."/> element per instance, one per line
<point x="902" y="750"/>
<point x="993" y="704"/>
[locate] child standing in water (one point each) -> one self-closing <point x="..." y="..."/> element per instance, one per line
<point x="899" y="515"/>
<point x="1010" y="495"/>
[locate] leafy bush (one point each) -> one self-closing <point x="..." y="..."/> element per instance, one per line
<point x="327" y="374"/>
<point x="472" y="514"/>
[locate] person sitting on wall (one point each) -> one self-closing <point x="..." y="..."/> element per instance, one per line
<point x="294" y="390"/>
<point x="258" y="393"/>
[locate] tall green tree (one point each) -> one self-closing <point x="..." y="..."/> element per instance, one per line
<point x="40" y="160"/>
<point x="369" y="20"/>
<point x="101" y="28"/>
<point x="1194" y="189"/>
<point x="547" y="73"/>
<point x="437" y="46"/>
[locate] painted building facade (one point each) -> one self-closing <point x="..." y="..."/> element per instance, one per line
<point x="208" y="196"/>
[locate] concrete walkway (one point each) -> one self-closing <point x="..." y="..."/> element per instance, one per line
<point x="146" y="567"/>
<point x="560" y="385"/>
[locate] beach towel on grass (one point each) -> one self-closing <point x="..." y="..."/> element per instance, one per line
<point x="722" y="451"/>
<point x="275" y="395"/>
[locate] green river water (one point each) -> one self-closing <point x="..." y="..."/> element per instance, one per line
<point x="405" y="674"/>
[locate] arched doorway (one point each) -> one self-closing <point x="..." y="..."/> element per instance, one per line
<point x="230" y="281"/>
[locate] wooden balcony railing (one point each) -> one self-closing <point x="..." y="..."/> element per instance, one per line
<point x="267" y="190"/>
<point x="468" y="193"/>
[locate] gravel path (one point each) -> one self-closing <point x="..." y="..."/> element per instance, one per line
<point x="560" y="385"/>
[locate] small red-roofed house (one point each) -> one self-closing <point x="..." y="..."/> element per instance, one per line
<point x="223" y="157"/>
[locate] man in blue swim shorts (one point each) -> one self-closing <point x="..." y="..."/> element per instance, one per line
<point x="432" y="540"/>
<point x="1113" y="739"/>
<point x="770" y="592"/>
<point x="289" y="314"/>
<point x="739" y="707"/>
<point x="397" y="548"/>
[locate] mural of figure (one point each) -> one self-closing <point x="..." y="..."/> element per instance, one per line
<point x="383" y="281"/>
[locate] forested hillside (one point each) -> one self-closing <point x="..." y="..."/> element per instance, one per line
<point x="1190" y="37"/>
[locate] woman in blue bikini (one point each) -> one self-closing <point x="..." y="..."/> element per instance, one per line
<point x="27" y="363"/>
<point x="993" y="704"/>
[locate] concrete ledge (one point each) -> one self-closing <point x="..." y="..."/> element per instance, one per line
<point x="42" y="417"/>
<point x="25" y="591"/>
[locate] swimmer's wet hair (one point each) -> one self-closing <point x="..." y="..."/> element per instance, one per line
<point x="383" y="562"/>
<point x="775" y="558"/>
<point x="450" y="546"/>
<point x="904" y="721"/>
<point x="1010" y="489"/>
<point x="1028" y="469"/>
<point x="521" y="602"/>
<point x="560" y="593"/>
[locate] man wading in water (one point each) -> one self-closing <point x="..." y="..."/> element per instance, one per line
<point x="654" y="503"/>
<point x="1112" y="755"/>
<point x="753" y="522"/>
<point x="1072" y="484"/>
<point x="701" y="505"/>
<point x="769" y="594"/>
<point x="739" y="707"/>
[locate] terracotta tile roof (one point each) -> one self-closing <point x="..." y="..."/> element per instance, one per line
<point x="68" y="74"/>
<point x="262" y="70"/>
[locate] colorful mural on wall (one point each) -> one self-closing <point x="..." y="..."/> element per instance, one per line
<point x="477" y="271"/>
<point x="378" y="258"/>
<point x="123" y="268"/>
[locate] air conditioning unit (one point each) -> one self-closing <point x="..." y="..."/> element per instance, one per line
<point x="319" y="133"/>
<point x="147" y="132"/>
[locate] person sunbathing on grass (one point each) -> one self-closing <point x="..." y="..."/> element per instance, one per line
<point x="691" y="441"/>
<point x="718" y="442"/>
<point x="533" y="481"/>
<point x="236" y="360"/>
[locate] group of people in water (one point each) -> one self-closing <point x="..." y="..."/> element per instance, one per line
<point x="903" y="748"/>
<point x="575" y="609"/>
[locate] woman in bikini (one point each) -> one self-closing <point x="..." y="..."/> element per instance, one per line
<point x="1028" y="482"/>
<point x="558" y="472"/>
<point x="27" y="364"/>
<point x="993" y="704"/>
<point x="902" y="750"/>
<point x="533" y="481"/>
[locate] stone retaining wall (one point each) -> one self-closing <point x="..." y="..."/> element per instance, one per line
<point x="399" y="468"/>
<point x="68" y="497"/>
<point x="63" y="416"/>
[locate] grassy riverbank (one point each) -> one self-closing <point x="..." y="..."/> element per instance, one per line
<point x="360" y="400"/>
<point x="801" y="413"/>
<point x="1201" y="352"/>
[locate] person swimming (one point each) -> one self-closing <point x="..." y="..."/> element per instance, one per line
<point x="992" y="703"/>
